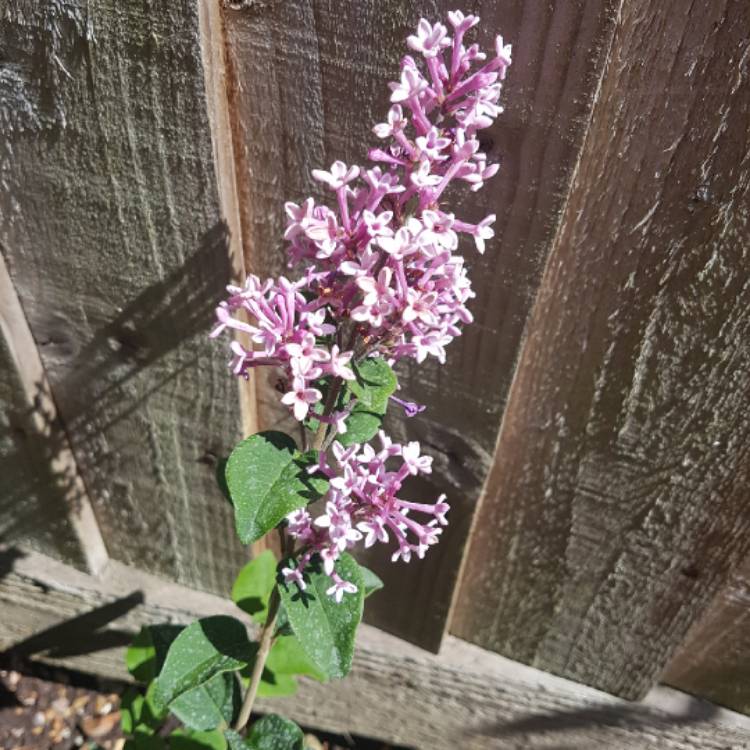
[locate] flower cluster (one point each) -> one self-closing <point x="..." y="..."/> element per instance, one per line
<point x="288" y="332"/>
<point x="386" y="258"/>
<point x="362" y="502"/>
<point x="384" y="263"/>
<point x="381" y="276"/>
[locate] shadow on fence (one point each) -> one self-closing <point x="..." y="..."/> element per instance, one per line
<point x="91" y="388"/>
<point x="155" y="322"/>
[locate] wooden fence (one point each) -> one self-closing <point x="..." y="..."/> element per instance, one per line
<point x="591" y="429"/>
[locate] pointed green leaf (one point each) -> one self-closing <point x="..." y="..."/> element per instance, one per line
<point x="287" y="657"/>
<point x="145" y="656"/>
<point x="372" y="582"/>
<point x="273" y="732"/>
<point x="274" y="685"/>
<point x="325" y="629"/>
<point x="375" y="382"/>
<point x="267" y="481"/>
<point x="212" y="705"/>
<point x="254" y="584"/>
<point x="188" y="739"/>
<point x="204" y="649"/>
<point x="361" y="427"/>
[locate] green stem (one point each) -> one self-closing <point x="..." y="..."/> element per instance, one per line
<point x="265" y="642"/>
<point x="333" y="395"/>
<point x="264" y="647"/>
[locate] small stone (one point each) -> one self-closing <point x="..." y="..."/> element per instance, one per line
<point x="96" y="727"/>
<point x="61" y="706"/>
<point x="38" y="719"/>
<point x="103" y="704"/>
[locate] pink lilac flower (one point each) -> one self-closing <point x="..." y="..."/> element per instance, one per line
<point x="300" y="398"/>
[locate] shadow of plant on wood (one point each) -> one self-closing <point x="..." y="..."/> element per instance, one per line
<point x="8" y="557"/>
<point x="84" y="634"/>
<point x="91" y="388"/>
<point x="158" y="320"/>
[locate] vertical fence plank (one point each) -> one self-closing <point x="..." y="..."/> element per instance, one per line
<point x="310" y="82"/>
<point x="618" y="498"/>
<point x="112" y="233"/>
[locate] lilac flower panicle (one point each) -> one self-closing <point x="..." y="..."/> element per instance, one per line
<point x="381" y="277"/>
<point x="362" y="504"/>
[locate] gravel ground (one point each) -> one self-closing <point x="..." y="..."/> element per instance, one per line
<point x="48" y="709"/>
<point x="41" y="714"/>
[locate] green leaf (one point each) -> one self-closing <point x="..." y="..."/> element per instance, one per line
<point x="187" y="739"/>
<point x="143" y="741"/>
<point x="202" y="650"/>
<point x="325" y="629"/>
<point x="145" y="656"/>
<point x="372" y="582"/>
<point x="267" y="481"/>
<point x="152" y="714"/>
<point x="283" y="627"/>
<point x="285" y="660"/>
<point x="375" y="382"/>
<point x="131" y="706"/>
<point x="273" y="732"/>
<point x="288" y="657"/>
<point x="254" y="584"/>
<point x="235" y="741"/>
<point x="212" y="705"/>
<point x="274" y="685"/>
<point x="361" y="427"/>
<point x="316" y="484"/>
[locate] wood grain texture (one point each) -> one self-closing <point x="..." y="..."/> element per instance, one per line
<point x="465" y="698"/>
<point x="111" y="229"/>
<point x="310" y="80"/>
<point x="714" y="660"/>
<point x="43" y="500"/>
<point x="617" y="503"/>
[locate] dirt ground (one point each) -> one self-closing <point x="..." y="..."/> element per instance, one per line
<point x="46" y="709"/>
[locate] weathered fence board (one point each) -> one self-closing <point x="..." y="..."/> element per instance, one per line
<point x="714" y="660"/>
<point x="310" y="81"/>
<point x="465" y="698"/>
<point x="43" y="502"/>
<point x="112" y="233"/>
<point x="618" y="499"/>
